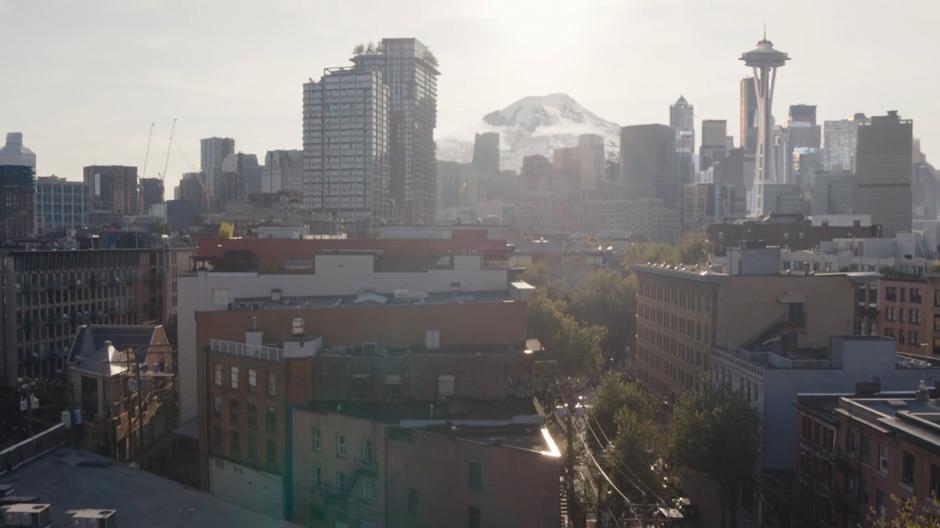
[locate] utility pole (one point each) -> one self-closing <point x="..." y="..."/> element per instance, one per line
<point x="575" y="511"/>
<point x="140" y="413"/>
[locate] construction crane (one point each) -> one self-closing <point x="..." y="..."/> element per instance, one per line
<point x="169" y="146"/>
<point x="147" y="155"/>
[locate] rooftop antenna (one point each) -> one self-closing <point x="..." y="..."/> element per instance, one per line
<point x="765" y="30"/>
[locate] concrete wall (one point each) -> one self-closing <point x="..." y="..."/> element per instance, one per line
<point x="864" y="359"/>
<point x="247" y="487"/>
<point x="748" y="306"/>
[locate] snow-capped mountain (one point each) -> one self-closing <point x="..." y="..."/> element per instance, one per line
<point x="533" y="125"/>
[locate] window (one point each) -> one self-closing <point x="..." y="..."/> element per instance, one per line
<point x="474" y="518"/>
<point x="863" y="492"/>
<point x="271" y="385"/>
<point x="413" y="498"/>
<point x="317" y="475"/>
<point x="217" y="405"/>
<point x="915" y="295"/>
<point x="474" y="476"/>
<point x="233" y="377"/>
<point x="317" y="438"/>
<point x="882" y="457"/>
<point x="340" y="445"/>
<point x="850" y="441"/>
<point x="889" y="313"/>
<point x="233" y="411"/>
<point x="233" y="446"/>
<point x="891" y="293"/>
<point x="866" y="450"/>
<point x="445" y="385"/>
<point x="936" y="298"/>
<point x="900" y="315"/>
<point x="914" y="315"/>
<point x="367" y="490"/>
<point x="340" y="481"/>
<point x="270" y="420"/>
<point x="252" y="380"/>
<point x="219" y="297"/>
<point x="903" y="292"/>
<point x="217" y="374"/>
<point x="252" y="446"/>
<point x="271" y="452"/>
<point x="880" y="503"/>
<point x="367" y="451"/>
<point x="251" y="415"/>
<point x="907" y="469"/>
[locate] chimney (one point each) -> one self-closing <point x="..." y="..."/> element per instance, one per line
<point x="923" y="392"/>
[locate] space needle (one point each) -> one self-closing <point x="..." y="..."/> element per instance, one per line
<point x="764" y="60"/>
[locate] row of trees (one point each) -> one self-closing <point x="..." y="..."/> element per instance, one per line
<point x="710" y="431"/>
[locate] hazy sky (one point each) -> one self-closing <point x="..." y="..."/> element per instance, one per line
<point x="83" y="79"/>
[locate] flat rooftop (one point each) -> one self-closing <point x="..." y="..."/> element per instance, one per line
<point x="288" y="302"/>
<point x="512" y="422"/>
<point x="71" y="479"/>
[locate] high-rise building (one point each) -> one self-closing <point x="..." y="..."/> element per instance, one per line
<point x="748" y="112"/>
<point x="213" y="152"/>
<point x="486" y="154"/>
<point x="192" y="189"/>
<point x="283" y="171"/>
<point x="536" y="174"/>
<point x="151" y="192"/>
<point x="804" y="136"/>
<point x="883" y="172"/>
<point x="764" y="61"/>
<point x="840" y="137"/>
<point x="248" y="171"/>
<point x="409" y="70"/>
<point x="648" y="163"/>
<point x="592" y="160"/>
<point x="346" y="147"/>
<point x="112" y="189"/>
<point x="17" y="188"/>
<point x="682" y="119"/>
<point x="714" y="142"/>
<point x="61" y="204"/>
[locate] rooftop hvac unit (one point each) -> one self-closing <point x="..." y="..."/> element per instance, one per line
<point x="91" y="518"/>
<point x="28" y="514"/>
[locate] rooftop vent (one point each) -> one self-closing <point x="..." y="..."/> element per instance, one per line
<point x="923" y="392"/>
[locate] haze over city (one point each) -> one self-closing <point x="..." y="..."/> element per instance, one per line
<point x="84" y="80"/>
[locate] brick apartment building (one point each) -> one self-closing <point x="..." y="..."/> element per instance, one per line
<point x="412" y="263"/>
<point x="910" y="313"/>
<point x="684" y="312"/>
<point x="858" y="452"/>
<point x="254" y="365"/>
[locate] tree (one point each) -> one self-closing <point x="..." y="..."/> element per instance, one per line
<point x="613" y="395"/>
<point x="693" y="248"/>
<point x="908" y="516"/>
<point x="607" y="298"/>
<point x="631" y="457"/>
<point x="577" y="347"/>
<point x="359" y="49"/>
<point x="536" y="274"/>
<point x="226" y="230"/>
<point x="714" y="431"/>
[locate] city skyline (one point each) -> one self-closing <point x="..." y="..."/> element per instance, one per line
<point x="98" y="99"/>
